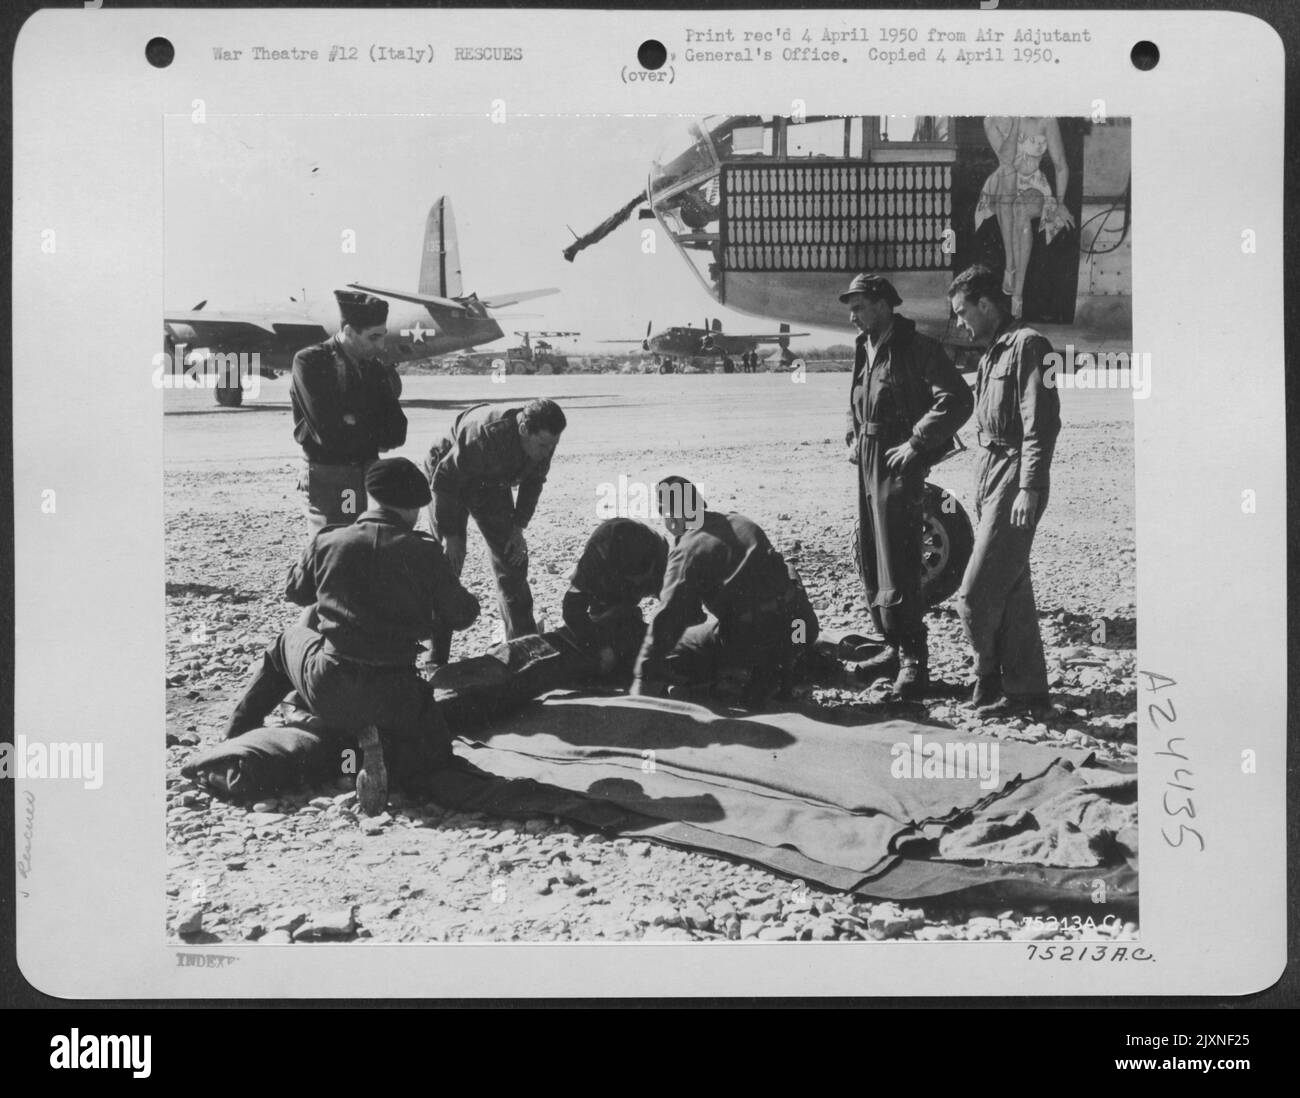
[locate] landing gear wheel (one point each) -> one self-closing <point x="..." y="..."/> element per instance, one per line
<point x="230" y="396"/>
<point x="947" y="540"/>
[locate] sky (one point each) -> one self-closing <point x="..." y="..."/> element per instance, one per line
<point x="256" y="207"/>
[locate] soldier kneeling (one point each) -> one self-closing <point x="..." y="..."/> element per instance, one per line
<point x="373" y="591"/>
<point x="761" y="620"/>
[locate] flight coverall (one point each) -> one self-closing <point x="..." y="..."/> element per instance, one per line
<point x="911" y="393"/>
<point x="472" y="472"/>
<point x="1019" y="418"/>
<point x="762" y="616"/>
<point x="344" y="414"/>
<point x="376" y="587"/>
<point x="622" y="563"/>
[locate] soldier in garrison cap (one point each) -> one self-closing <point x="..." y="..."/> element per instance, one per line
<point x="906" y="402"/>
<point x="761" y="620"/>
<point x="373" y="590"/>
<point x="345" y="410"/>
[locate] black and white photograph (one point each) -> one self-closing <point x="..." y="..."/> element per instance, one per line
<point x="760" y="516"/>
<point x="730" y="649"/>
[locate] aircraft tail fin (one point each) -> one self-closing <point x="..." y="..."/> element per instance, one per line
<point x="440" y="262"/>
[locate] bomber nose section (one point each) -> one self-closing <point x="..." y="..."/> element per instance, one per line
<point x="683" y="193"/>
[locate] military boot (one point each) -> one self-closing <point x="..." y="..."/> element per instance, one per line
<point x="913" y="671"/>
<point x="883" y="664"/>
<point x="988" y="689"/>
<point x="372" y="777"/>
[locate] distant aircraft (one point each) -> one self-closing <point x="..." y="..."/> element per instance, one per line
<point x="443" y="318"/>
<point x="709" y="342"/>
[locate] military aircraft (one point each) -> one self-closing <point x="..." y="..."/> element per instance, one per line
<point x="709" y="343"/>
<point x="440" y="318"/>
<point x="774" y="216"/>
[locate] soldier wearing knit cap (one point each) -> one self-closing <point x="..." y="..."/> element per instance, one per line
<point x="373" y="591"/>
<point x="345" y="410"/>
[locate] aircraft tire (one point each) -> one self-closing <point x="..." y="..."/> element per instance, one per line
<point x="947" y="540"/>
<point x="229" y="396"/>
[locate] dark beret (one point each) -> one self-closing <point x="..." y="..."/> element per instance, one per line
<point x="397" y="483"/>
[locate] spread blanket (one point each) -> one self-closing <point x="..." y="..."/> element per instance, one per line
<point x="895" y="809"/>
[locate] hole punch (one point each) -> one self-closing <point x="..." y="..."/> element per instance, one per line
<point x="159" y="52"/>
<point x="651" y="54"/>
<point x="1145" y="55"/>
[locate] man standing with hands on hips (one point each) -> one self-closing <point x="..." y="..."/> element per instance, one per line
<point x="345" y="410"/>
<point x="906" y="402"/>
<point x="1019" y="417"/>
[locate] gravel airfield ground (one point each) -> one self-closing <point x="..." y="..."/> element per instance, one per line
<point x="307" y="866"/>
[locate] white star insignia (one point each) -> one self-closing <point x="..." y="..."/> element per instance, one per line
<point x="416" y="334"/>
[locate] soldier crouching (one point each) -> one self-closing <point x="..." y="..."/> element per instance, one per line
<point x="761" y="621"/>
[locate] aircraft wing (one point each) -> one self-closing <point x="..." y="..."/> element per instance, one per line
<point x="764" y="338"/>
<point x="220" y="329"/>
<point x="500" y="301"/>
<point x="417" y="299"/>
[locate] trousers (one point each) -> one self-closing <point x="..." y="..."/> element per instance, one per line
<point x="493" y="510"/>
<point x="890" y="515"/>
<point x="347" y="696"/>
<point x="336" y="494"/>
<point x="996" y="600"/>
<point x="768" y="644"/>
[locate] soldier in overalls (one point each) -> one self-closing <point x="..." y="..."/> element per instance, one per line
<point x="906" y="402"/>
<point x="1019" y="418"/>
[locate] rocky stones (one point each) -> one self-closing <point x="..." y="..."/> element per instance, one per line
<point x="824" y="929"/>
<point x="696" y="918"/>
<point x="326" y="924"/>
<point x="189" y="920"/>
<point x="656" y="914"/>
<point x="888" y="921"/>
<point x="286" y="919"/>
